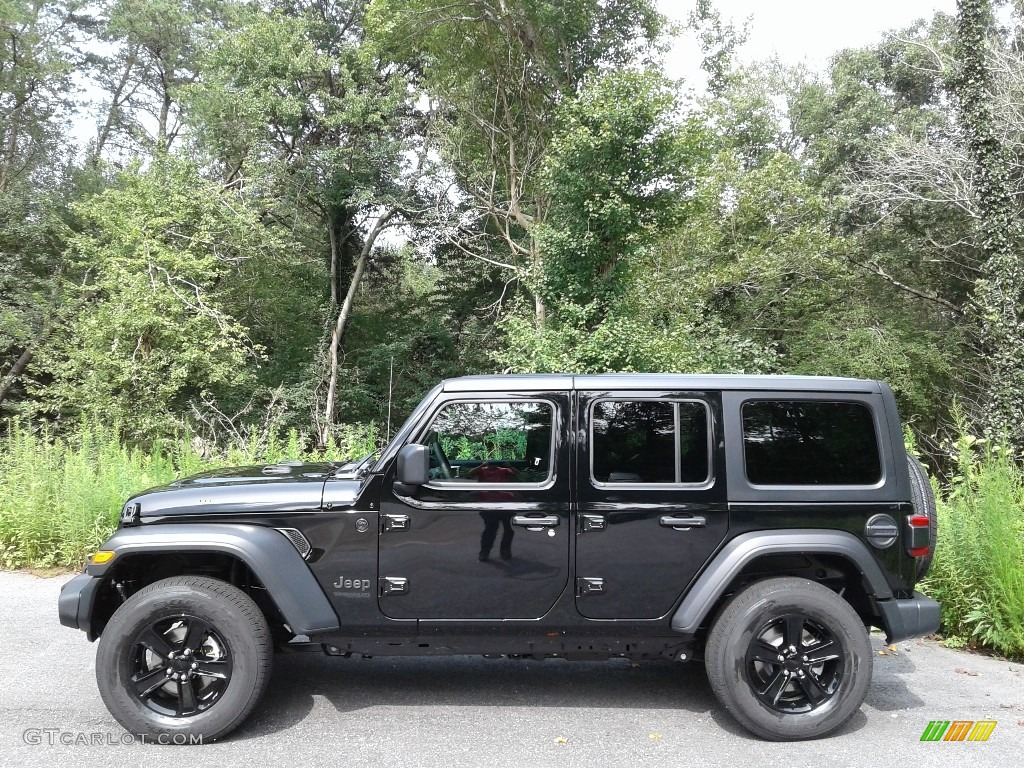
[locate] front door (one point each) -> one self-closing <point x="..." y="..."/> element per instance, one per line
<point x="488" y="536"/>
<point x="652" y="499"/>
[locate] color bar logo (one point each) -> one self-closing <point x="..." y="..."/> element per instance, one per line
<point x="958" y="730"/>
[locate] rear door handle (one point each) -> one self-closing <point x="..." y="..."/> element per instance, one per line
<point x="683" y="523"/>
<point x="535" y="523"/>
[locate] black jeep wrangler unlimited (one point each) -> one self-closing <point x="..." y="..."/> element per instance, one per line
<point x="759" y="523"/>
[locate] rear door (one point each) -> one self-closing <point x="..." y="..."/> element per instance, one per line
<point x="652" y="498"/>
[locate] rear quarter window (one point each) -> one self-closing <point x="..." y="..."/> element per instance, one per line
<point x="810" y="442"/>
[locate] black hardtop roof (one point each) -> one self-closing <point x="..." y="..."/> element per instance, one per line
<point x="659" y="381"/>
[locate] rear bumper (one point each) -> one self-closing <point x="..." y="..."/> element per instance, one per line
<point x="913" y="617"/>
<point x="76" y="601"/>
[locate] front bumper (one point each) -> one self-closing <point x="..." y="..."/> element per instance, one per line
<point x="912" y="617"/>
<point x="76" y="601"/>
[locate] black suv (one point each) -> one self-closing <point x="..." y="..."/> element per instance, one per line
<point x="759" y="523"/>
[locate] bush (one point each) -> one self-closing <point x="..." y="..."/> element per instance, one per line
<point x="978" y="571"/>
<point x="60" y="496"/>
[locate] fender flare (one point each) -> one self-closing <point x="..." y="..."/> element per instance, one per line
<point x="267" y="552"/>
<point x="734" y="556"/>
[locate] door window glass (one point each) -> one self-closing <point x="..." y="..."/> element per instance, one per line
<point x="650" y="441"/>
<point x="498" y="442"/>
<point x="694" y="447"/>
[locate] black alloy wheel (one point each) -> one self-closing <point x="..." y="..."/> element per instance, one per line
<point x="184" y="659"/>
<point x="180" y="666"/>
<point x="793" y="664"/>
<point x="789" y="659"/>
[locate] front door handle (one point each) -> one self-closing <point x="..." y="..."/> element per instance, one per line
<point x="682" y="523"/>
<point x="394" y="522"/>
<point x="394" y="585"/>
<point x="535" y="523"/>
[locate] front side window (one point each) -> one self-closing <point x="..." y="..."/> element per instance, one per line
<point x="649" y="442"/>
<point x="496" y="442"/>
<point x="810" y="442"/>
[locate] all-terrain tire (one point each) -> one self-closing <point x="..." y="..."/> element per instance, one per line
<point x="207" y="638"/>
<point x="924" y="504"/>
<point x="789" y="687"/>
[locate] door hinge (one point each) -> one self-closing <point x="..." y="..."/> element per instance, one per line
<point x="394" y="523"/>
<point x="589" y="586"/>
<point x="591" y="523"/>
<point x="394" y="585"/>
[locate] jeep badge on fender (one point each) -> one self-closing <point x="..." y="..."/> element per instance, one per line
<point x="761" y="523"/>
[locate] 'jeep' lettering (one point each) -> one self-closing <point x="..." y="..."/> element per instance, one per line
<point x="343" y="583"/>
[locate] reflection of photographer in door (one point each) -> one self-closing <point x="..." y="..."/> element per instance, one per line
<point x="491" y="473"/>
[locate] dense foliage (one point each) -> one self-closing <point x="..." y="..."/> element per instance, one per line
<point x="978" y="572"/>
<point x="224" y="220"/>
<point x="301" y="213"/>
<point x="61" y="495"/>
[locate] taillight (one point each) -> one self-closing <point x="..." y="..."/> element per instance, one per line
<point x="917" y="538"/>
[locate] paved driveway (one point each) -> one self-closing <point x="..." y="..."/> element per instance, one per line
<point x="477" y="712"/>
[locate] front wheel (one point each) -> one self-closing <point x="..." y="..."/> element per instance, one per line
<point x="183" y="660"/>
<point x="789" y="658"/>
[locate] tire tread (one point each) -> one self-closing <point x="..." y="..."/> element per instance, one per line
<point x="235" y="602"/>
<point x="718" y="653"/>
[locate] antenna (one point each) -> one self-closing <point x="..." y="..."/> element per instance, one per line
<point x="391" y="381"/>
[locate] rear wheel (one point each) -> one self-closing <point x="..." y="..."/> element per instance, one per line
<point x="184" y="658"/>
<point x="789" y="659"/>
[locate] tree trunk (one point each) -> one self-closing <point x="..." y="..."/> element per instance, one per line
<point x="332" y="230"/>
<point x="10" y="154"/>
<point x="342" y="320"/>
<point x="539" y="310"/>
<point x="15" y="373"/>
<point x="163" y="141"/>
<point x="115" y="104"/>
<point x="161" y="133"/>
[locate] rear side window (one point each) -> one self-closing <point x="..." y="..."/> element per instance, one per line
<point x="810" y="442"/>
<point x="650" y="441"/>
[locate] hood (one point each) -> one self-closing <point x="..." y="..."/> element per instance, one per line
<point x="283" y="472"/>
<point x="285" y="487"/>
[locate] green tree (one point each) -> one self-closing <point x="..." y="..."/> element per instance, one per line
<point x="768" y="251"/>
<point x="619" y="168"/>
<point x="37" y="56"/>
<point x="157" y="46"/>
<point x="999" y="295"/>
<point x="152" y="331"/>
<point x="297" y="109"/>
<point x="623" y="169"/>
<point x="499" y="71"/>
<point x="883" y="143"/>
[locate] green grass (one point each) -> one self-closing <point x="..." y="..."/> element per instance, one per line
<point x="60" y="496"/>
<point x="978" y="571"/>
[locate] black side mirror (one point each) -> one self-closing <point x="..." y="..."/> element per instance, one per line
<point x="413" y="465"/>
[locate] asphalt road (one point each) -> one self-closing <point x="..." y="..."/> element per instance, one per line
<point x="469" y="711"/>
